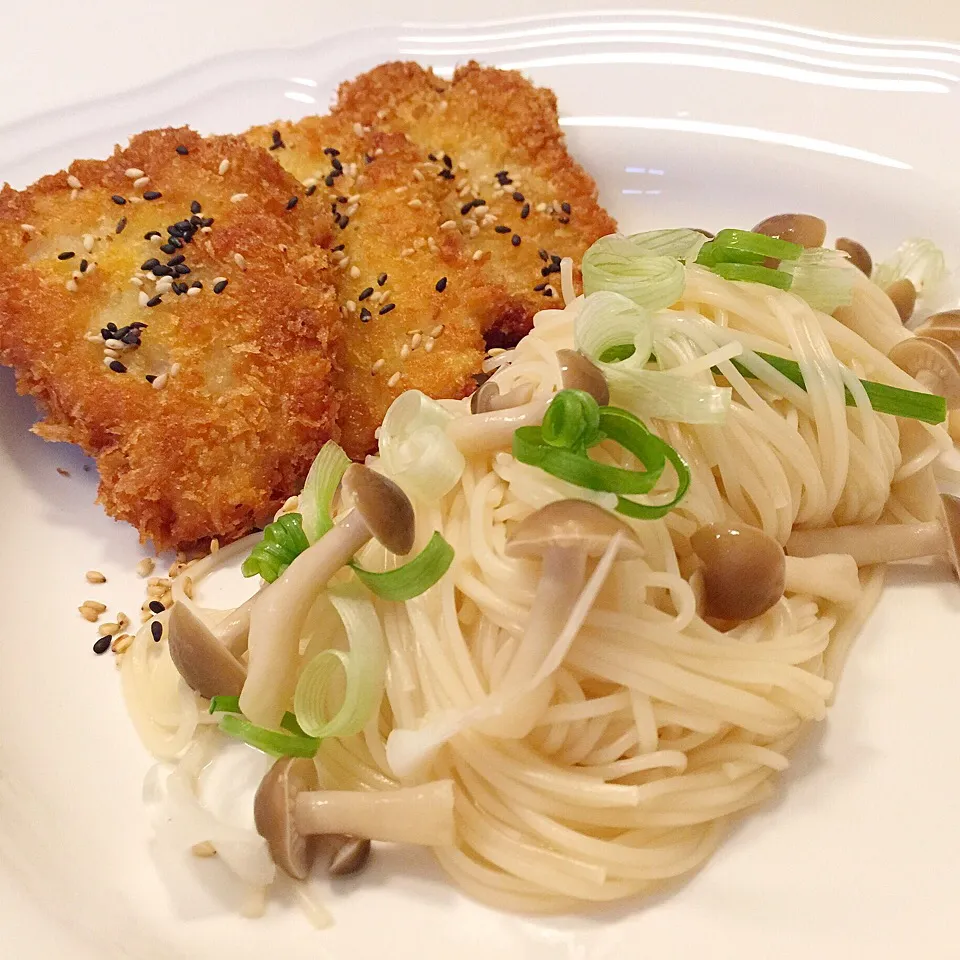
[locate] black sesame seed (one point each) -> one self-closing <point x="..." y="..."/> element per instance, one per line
<point x="173" y="261"/>
<point x="381" y="280"/>
<point x="563" y="219"/>
<point x="518" y="196"/>
<point x="466" y="208"/>
<point x="277" y="141"/>
<point x="548" y="292"/>
<point x="152" y="195"/>
<point x="555" y="258"/>
<point x="446" y="174"/>
<point x="155" y="301"/>
<point x="336" y="164"/>
<point x="182" y="150"/>
<point x="441" y="285"/>
<point x="102" y="645"/>
<point x="343" y="222"/>
<point x="83" y="266"/>
<point x="161" y="270"/>
<point x="179" y="288"/>
<point x="137" y="325"/>
<point x="118" y="200"/>
<point x="548" y="269"/>
<point x="543" y="255"/>
<point x="339" y="246"/>
<point x="112" y="326"/>
<point x="150" y="234"/>
<point x="365" y="315"/>
<point x="386" y="309"/>
<point x="311" y="190"/>
<point x="502" y="228"/>
<point x="169" y="247"/>
<point x="117" y="367"/>
<point x="367" y="158"/>
<point x="156" y="606"/>
<point x="331" y="151"/>
<point x="195" y="206"/>
<point x="328" y="179"/>
<point x="150" y="264"/>
<point x="106" y="334"/>
<point x="121" y="225"/>
<point x="156" y="629"/>
<point x="130" y="336"/>
<point x="540" y="287"/>
<point x="150" y="377"/>
<point x="197" y="284"/>
<point x="366" y="292"/>
<point x="432" y="156"/>
<point x="220" y="286"/>
<point x="515" y="239"/>
<point x="479" y="202"/>
<point x="66" y="255"/>
<point x="501" y="173"/>
<point x="565" y="207"/>
<point x="206" y="221"/>
<point x="447" y="162"/>
<point x="291" y="203"/>
<point x="525" y="212"/>
<point x="182" y="269"/>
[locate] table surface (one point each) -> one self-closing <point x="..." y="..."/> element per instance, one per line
<point x="53" y="53"/>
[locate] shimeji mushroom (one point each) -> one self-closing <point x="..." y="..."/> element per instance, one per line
<point x="563" y="535"/>
<point x="201" y="658"/>
<point x="743" y="572"/>
<point x="494" y="421"/>
<point x="903" y="295"/>
<point x="932" y="364"/>
<point x="487" y="397"/>
<point x="801" y="228"/>
<point x="943" y="326"/>
<point x="380" y="511"/>
<point x="885" y="543"/>
<point x="291" y="813"/>
<point x="858" y="254"/>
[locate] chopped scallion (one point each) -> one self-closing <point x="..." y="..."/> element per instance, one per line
<point x="269" y="741"/>
<point x="414" y="577"/>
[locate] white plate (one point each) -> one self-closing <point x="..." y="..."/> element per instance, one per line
<point x="683" y="119"/>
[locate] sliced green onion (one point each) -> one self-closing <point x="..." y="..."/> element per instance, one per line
<point x="574" y="466"/>
<point x="364" y="666"/>
<point x="617" y="265"/>
<point x="572" y="421"/>
<point x="414" y="577"/>
<point x="681" y="243"/>
<point x="222" y="704"/>
<point x="822" y="277"/>
<point x="319" y="489"/>
<point x="269" y="741"/>
<point x="615" y="354"/>
<point x="711" y="254"/>
<point x="751" y="273"/>
<point x="911" y="404"/>
<point x="609" y="321"/>
<point x="918" y="260"/>
<point x="759" y="244"/>
<point x="283" y="541"/>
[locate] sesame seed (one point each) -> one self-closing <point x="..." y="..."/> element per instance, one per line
<point x="418" y="175"/>
<point x="352" y="209"/>
<point x="145" y="567"/>
<point x="365" y="315"/>
<point x="540" y="287"/>
<point x="71" y="285"/>
<point x="122" y="643"/>
<point x="152" y="235"/>
<point x="428" y="345"/>
<point x="518" y="196"/>
<point x="478" y="254"/>
<point x="156" y="606"/>
<point x="377" y="367"/>
<point x="291" y="203"/>
<point x="95" y="576"/>
<point x="415" y="341"/>
<point x="343" y="222"/>
<point x="220" y="285"/>
<point x="237" y="197"/>
<point x="160" y="382"/>
<point x="448" y="225"/>
<point x="366" y="292"/>
<point x="118" y="200"/>
<point x="28" y="228"/>
<point x="350" y="306"/>
<point x="277" y="141"/>
<point x="224" y="166"/>
<point x="404" y="352"/>
<point x="541" y="207"/>
<point x="525" y="212"/>
<point x="447" y="162"/>
<point x="406" y="252"/>
<point x="113" y="344"/>
<point x="195" y="206"/>
<point x="154" y="301"/>
<point x="108" y="629"/>
<point x="386" y="309"/>
<point x="563" y="220"/>
<point x="117" y="367"/>
<point x="73" y="182"/>
<point x="441" y="285"/>
<point x="502" y="228"/>
<point x="66" y="255"/>
<point x="102" y="645"/>
<point x="358" y="129"/>
<point x="239" y="260"/>
<point x="515" y="240"/>
<point x="381" y="280"/>
<point x="174" y="369"/>
<point x="74" y="194"/>
<point x="548" y="292"/>
<point x="311" y="190"/>
<point x="182" y="150"/>
<point x="143" y="298"/>
<point x="133" y="173"/>
<point x="354" y="272"/>
<point x="152" y="195"/>
<point x="156" y="630"/>
<point x="415" y="202"/>
<point x="466" y="208"/>
<point x="446" y="174"/>
<point x="169" y="247"/>
<point x="150" y="377"/>
<point x="565" y="207"/>
<point x="394" y="380"/>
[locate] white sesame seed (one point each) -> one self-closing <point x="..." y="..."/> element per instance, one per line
<point x="143" y="298"/>
<point x="350" y="306"/>
<point x="377" y="367"/>
<point x="136" y="281"/>
<point x="462" y="166"/>
<point x="443" y="105"/>
<point x="481" y="210"/>
<point x="448" y="225"/>
<point x="134" y="173"/>
<point x="112" y="354"/>
<point x="382" y="113"/>
<point x="88" y="242"/>
<point x="342" y="264"/>
<point x="437" y="330"/>
<point x="415" y="202"/>
<point x="419" y="243"/>
<point x="550" y="288"/>
<point x="108" y="360"/>
<point x="91" y="268"/>
<point x="353" y="198"/>
<point x="406" y="252"/>
<point x="541" y="207"/>
<point x="428" y="345"/>
<point x="237" y="197"/>
<point x="394" y="380"/>
<point x="145" y="567"/>
<point x="28" y="228"/>
<point x="141" y="182"/>
<point x="404" y="352"/>
<point x="156" y="239"/>
<point x="464" y="190"/>
<point x="113" y="344"/>
<point x="474" y="230"/>
<point x="76" y="274"/>
<point x="93" y="338"/>
<point x="194" y="291"/>
<point x="432" y="244"/>
<point x="160" y="382"/>
<point x="415" y="341"/>
<point x="95" y="576"/>
<point x="224" y="166"/>
<point x="352" y="209"/>
<point x="418" y="175"/>
<point x="203" y="230"/>
<point x="360" y="180"/>
<point x="358" y="128"/>
<point x="174" y="369"/>
<point x="239" y="260"/>
<point x="477" y="254"/>
<point x="72" y="181"/>
<point x="489" y="219"/>
<point x="495" y="351"/>
<point x="71" y="285"/>
<point x="378" y="152"/>
<point x="74" y="194"/>
<point x="337" y="256"/>
<point x="400" y="189"/>
<point x="310" y="182"/>
<point x="354" y="272"/>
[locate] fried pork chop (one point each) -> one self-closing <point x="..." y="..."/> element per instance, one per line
<point x="171" y="310"/>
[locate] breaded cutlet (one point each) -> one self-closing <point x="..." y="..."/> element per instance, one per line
<point x="414" y="301"/>
<point x="171" y="310"/>
<point x="510" y="173"/>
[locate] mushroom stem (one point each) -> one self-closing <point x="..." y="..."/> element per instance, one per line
<point x="234" y="629"/>
<point x="872" y="543"/>
<point x="421" y="815"/>
<point x="276" y="620"/>
<point x="484" y="432"/>
<point x="832" y="576"/>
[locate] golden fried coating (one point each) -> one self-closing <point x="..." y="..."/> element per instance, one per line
<point x="507" y="158"/>
<point x="415" y="303"/>
<point x="171" y="310"/>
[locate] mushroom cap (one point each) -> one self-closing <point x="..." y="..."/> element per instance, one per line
<point x="205" y="664"/>
<point x="944" y="327"/>
<point x="903" y="295"/>
<point x="571" y="523"/>
<point x="580" y="373"/>
<point x="274" y="812"/>
<point x="744" y="570"/>
<point x="950" y="517"/>
<point x="858" y="254"/>
<point x="802" y="228"/>
<point x="349" y="855"/>
<point x="385" y="508"/>
<point x="481" y="398"/>
<point x="931" y="362"/>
